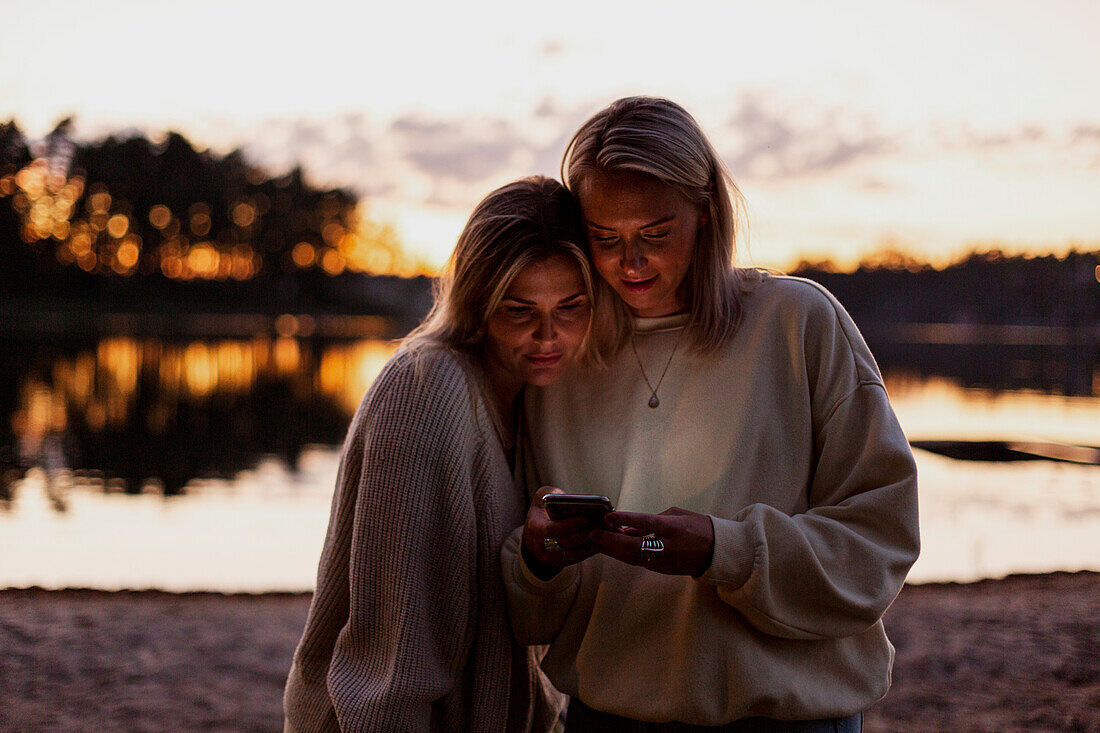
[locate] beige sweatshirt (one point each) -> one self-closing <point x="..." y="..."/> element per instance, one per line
<point x="408" y="627"/>
<point x="787" y="440"/>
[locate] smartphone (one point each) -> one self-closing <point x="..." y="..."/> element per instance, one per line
<point x="593" y="507"/>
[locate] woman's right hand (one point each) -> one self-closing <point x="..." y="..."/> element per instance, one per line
<point x="569" y="538"/>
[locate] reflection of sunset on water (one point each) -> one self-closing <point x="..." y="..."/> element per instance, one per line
<point x="144" y="387"/>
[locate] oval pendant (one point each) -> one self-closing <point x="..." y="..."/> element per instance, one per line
<point x="653" y="402"/>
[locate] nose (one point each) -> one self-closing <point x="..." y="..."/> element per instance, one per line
<point x="544" y="329"/>
<point x="633" y="258"/>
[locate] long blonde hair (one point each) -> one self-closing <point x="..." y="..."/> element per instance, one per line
<point x="659" y="138"/>
<point x="521" y="223"/>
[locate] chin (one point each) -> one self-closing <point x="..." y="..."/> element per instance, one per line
<point x="543" y="379"/>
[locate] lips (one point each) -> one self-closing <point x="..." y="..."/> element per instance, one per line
<point x="639" y="286"/>
<point x="543" y="360"/>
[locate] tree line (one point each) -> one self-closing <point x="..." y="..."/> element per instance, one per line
<point x="134" y="224"/>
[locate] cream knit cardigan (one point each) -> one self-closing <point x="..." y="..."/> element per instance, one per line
<point x="408" y="628"/>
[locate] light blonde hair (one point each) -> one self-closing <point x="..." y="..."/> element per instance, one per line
<point x="657" y="137"/>
<point x="519" y="224"/>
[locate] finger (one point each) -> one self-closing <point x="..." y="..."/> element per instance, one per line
<point x="621" y="547"/>
<point x="560" y="527"/>
<point x="573" y="540"/>
<point x="564" y="557"/>
<point x="543" y="491"/>
<point x="645" y="522"/>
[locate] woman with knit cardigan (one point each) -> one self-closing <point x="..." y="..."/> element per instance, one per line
<point x="407" y="630"/>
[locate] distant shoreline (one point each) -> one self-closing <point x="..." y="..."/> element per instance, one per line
<point x="77" y="323"/>
<point x="35" y="590"/>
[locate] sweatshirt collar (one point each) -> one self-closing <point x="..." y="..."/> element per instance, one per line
<point x="660" y="323"/>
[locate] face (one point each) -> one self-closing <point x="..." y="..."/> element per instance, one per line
<point x="642" y="234"/>
<point x="536" y="331"/>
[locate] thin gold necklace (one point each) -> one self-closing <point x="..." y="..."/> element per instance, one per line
<point x="654" y="400"/>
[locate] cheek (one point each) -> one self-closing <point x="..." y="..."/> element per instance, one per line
<point x="606" y="265"/>
<point x="503" y="338"/>
<point x="572" y="333"/>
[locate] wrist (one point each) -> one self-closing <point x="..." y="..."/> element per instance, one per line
<point x="538" y="568"/>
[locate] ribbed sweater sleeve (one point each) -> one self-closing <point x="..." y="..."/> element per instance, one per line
<point x="396" y="595"/>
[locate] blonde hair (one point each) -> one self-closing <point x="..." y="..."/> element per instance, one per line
<point x="657" y="137"/>
<point x="519" y="224"/>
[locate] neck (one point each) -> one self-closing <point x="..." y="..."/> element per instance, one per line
<point x="675" y="310"/>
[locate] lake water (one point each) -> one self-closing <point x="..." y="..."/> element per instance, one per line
<point x="126" y="478"/>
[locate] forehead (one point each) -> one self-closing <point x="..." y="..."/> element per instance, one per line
<point x="557" y="276"/>
<point x="617" y="198"/>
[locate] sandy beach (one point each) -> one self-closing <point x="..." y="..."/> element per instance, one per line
<point x="1019" y="654"/>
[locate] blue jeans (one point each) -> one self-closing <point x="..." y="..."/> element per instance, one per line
<point x="582" y="719"/>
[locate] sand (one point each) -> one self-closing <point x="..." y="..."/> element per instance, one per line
<point x="1019" y="654"/>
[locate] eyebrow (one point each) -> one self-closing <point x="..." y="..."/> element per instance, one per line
<point x="656" y="222"/>
<point x="574" y="296"/>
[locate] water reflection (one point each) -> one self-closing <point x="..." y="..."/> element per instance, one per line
<point x="152" y="414"/>
<point x="263" y="530"/>
<point x="999" y="358"/>
<point x="209" y="464"/>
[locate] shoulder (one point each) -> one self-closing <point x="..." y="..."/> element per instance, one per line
<point x="789" y="293"/>
<point x="807" y="310"/>
<point x="419" y="385"/>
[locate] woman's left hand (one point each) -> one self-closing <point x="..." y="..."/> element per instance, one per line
<point x="688" y="539"/>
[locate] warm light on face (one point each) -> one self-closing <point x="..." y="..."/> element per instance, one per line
<point x="537" y="330"/>
<point x="642" y="235"/>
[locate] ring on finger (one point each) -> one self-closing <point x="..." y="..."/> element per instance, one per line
<point x="550" y="544"/>
<point x="652" y="546"/>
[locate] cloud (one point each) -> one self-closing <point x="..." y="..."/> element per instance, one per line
<point x="465" y="150"/>
<point x="963" y="138"/>
<point x="551" y="48"/>
<point x="454" y="160"/>
<point x="1086" y="134"/>
<point x="774" y="145"/>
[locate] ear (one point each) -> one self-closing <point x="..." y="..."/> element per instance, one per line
<point x="704" y="217"/>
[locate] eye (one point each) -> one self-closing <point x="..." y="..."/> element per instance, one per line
<point x="573" y="310"/>
<point x="516" y="312"/>
<point x="602" y="240"/>
<point x="657" y="236"/>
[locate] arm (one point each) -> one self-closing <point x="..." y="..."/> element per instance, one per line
<point x="537" y="608"/>
<point x="833" y="570"/>
<point x="306" y="701"/>
<point x="412" y="556"/>
<point x="542" y="584"/>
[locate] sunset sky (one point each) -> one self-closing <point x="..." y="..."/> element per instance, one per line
<point x="930" y="126"/>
